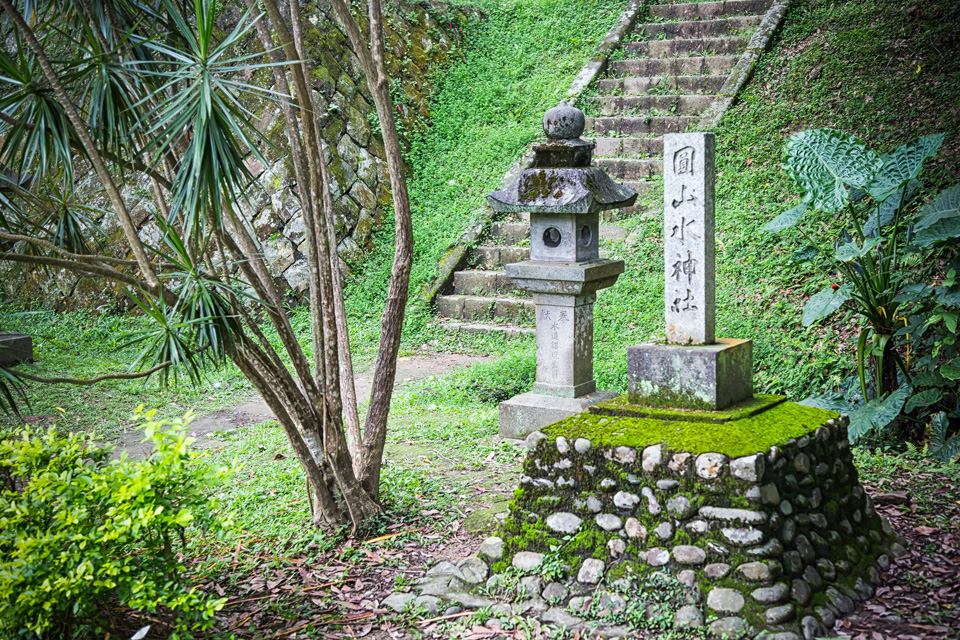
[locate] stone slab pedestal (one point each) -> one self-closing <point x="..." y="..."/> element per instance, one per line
<point x="529" y="412"/>
<point x="707" y="377"/>
<point x="15" y="348"/>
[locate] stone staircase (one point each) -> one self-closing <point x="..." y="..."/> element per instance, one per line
<point x="672" y="68"/>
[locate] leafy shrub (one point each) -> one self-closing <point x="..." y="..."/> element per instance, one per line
<point x="887" y="247"/>
<point x="79" y="533"/>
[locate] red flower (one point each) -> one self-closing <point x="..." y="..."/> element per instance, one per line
<point x="834" y="286"/>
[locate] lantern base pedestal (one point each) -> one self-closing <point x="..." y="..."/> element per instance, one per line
<point x="528" y="412"/>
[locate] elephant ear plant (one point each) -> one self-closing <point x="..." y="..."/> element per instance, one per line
<point x="890" y="261"/>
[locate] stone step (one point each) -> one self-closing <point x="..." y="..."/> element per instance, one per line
<point x="686" y="85"/>
<point x="505" y="330"/>
<point x="641" y="187"/>
<point x="632" y="125"/>
<point x="681" y="105"/>
<point x="495" y="257"/>
<point x="695" y="65"/>
<point x="687" y="46"/>
<point x="510" y="232"/>
<point x="704" y="10"/>
<point x="740" y="26"/>
<point x="458" y="307"/>
<point x="621" y="169"/>
<point x="627" y="147"/>
<point x="484" y="283"/>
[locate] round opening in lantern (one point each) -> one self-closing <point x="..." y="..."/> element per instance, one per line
<point x="586" y="236"/>
<point x="551" y="237"/>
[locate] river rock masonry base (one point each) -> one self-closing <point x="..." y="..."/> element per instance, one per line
<point x="781" y="539"/>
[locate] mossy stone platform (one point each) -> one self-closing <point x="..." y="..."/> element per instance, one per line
<point x="756" y="512"/>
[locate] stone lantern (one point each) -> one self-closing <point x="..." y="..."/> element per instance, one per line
<point x="564" y="196"/>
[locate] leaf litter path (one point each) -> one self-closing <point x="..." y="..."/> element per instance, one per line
<point x="255" y="411"/>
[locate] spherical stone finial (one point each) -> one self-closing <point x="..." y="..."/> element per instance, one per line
<point x="563" y="122"/>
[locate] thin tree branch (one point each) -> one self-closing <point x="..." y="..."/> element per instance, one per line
<point x="101" y="378"/>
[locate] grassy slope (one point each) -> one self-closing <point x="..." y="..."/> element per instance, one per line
<point x="855" y="66"/>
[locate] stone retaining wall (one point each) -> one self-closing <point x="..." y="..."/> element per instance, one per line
<point x="784" y="541"/>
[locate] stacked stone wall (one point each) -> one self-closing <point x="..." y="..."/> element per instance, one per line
<point x="784" y="541"/>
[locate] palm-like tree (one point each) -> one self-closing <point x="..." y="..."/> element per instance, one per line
<point x="129" y="90"/>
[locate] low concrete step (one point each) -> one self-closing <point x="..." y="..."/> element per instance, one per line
<point x="642" y="125"/>
<point x="457" y="307"/>
<point x="621" y="169"/>
<point x="704" y="10"/>
<point x="690" y="66"/>
<point x="509" y="232"/>
<point x="686" y="85"/>
<point x="741" y="26"/>
<point x="687" y="46"/>
<point x="505" y="330"/>
<point x="484" y="283"/>
<point x="681" y="105"/>
<point x="496" y="257"/>
<point x="627" y="147"/>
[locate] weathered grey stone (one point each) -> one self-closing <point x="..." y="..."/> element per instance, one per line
<point x="729" y="627"/>
<point x="748" y="468"/>
<point x="740" y="516"/>
<point x="826" y="569"/>
<point x="563" y="522"/>
<point x="755" y="571"/>
<point x="594" y="504"/>
<point x="634" y="529"/>
<point x="681" y="464"/>
<point x="559" y="616"/>
<point x="812" y="628"/>
<point x="534" y="439"/>
<point x="591" y="571"/>
<point x="658" y="557"/>
<point x="827" y="617"/>
<point x="813" y="578"/>
<point x="769" y="494"/>
<point x="526" y="412"/>
<point x="625" y="455"/>
<point x="582" y="445"/>
<point x="710" y="465"/>
<point x="679" y="506"/>
<point x="562" y="446"/>
<point x="688" y="554"/>
<point x="804" y="548"/>
<point x="801" y="592"/>
<point x="580" y="604"/>
<point x="653" y="506"/>
<point x="429" y="604"/>
<point x="492" y="548"/>
<point x="841" y="602"/>
<point x="632" y="479"/>
<point x="789" y="531"/>
<point x="608" y="483"/>
<point x="554" y="592"/>
<point x="753" y="495"/>
<point x="664" y="531"/>
<point x="617" y="547"/>
<point x="779" y="615"/>
<point x="624" y="500"/>
<point x="742" y="537"/>
<point x="696" y="526"/>
<point x="688" y="616"/>
<point x="452" y="610"/>
<point x="771" y="595"/>
<point x="652" y="458"/>
<point x="444" y="568"/>
<point x="531" y="586"/>
<point x="883" y="563"/>
<point x="527" y="560"/>
<point x="667" y="485"/>
<point x="473" y="570"/>
<point x="773" y="548"/>
<point x="688" y="578"/>
<point x="562" y="464"/>
<point x="608" y="522"/>
<point x="398" y="601"/>
<point x="725" y="600"/>
<point x="782" y="635"/>
<point x="716" y="570"/>
<point x="801" y="463"/>
<point x="786" y="508"/>
<point x="563" y="122"/>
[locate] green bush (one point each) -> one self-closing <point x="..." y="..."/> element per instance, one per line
<point x="79" y="533"/>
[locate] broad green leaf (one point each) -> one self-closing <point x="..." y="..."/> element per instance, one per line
<point x="852" y="251"/>
<point x="823" y="162"/>
<point x="903" y="165"/>
<point x="951" y="371"/>
<point x="808" y="252"/>
<point x="830" y="401"/>
<point x="787" y="219"/>
<point x="883" y="214"/>
<point x="825" y="303"/>
<point x="950" y="319"/>
<point x="930" y="379"/>
<point x="878" y="414"/>
<point x="942" y="230"/>
<point x="923" y="399"/>
<point x="948" y="296"/>
<point x="945" y="205"/>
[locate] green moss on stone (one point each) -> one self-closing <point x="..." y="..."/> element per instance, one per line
<point x="735" y="438"/>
